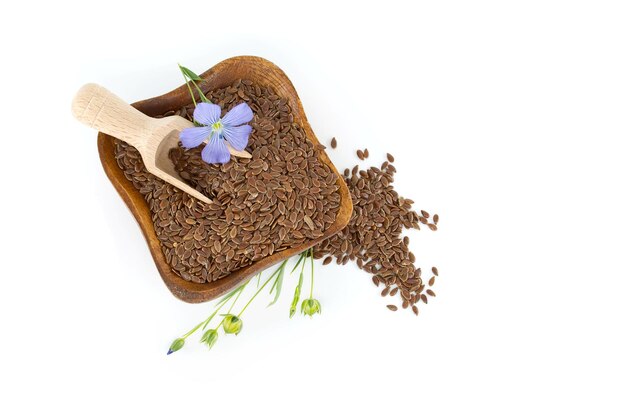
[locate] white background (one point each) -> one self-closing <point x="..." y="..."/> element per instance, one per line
<point x="506" y="118"/>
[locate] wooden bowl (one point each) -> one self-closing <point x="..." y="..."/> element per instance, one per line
<point x="221" y="75"/>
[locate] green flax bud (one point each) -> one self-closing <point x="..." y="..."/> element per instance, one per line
<point x="176" y="345"/>
<point x="232" y="324"/>
<point x="209" y="338"/>
<point x="311" y="306"/>
<point x="296" y="297"/>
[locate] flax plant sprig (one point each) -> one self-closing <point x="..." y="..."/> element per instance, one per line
<point x="232" y="323"/>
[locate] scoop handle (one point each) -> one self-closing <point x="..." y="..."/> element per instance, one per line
<point x="98" y="108"/>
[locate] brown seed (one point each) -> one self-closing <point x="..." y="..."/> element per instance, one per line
<point x="436" y="218"/>
<point x="425" y="214"/>
<point x="435" y="271"/>
<point x="333" y="143"/>
<point x="430" y="292"/>
<point x="366" y="153"/>
<point x="327" y="260"/>
<point x="415" y="310"/>
<point x="424" y="298"/>
<point x="390" y="158"/>
<point x="359" y="153"/>
<point x="431" y="281"/>
<point x="392" y="307"/>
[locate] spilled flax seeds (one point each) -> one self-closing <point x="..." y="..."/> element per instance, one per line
<point x="374" y="239"/>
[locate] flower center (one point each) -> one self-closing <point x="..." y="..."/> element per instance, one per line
<point x="217" y="127"/>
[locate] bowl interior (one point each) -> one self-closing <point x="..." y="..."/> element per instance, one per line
<point x="221" y="75"/>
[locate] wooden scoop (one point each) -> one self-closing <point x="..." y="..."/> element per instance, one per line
<point x="102" y="110"/>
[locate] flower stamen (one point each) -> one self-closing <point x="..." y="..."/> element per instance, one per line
<point x="218" y="127"/>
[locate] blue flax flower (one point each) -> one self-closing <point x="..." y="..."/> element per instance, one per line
<point x="218" y="130"/>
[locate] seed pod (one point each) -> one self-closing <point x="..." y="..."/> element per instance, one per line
<point x="310" y="307"/>
<point x="232" y="324"/>
<point x="209" y="338"/>
<point x="176" y="345"/>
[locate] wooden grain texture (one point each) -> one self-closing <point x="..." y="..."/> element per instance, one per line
<point x="221" y="75"/>
<point x="98" y="108"/>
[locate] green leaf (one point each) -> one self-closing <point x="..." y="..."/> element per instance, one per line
<point x="278" y="284"/>
<point x="203" y="97"/>
<point x="300" y="258"/>
<point x="189" y="73"/>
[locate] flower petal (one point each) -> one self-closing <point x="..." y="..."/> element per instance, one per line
<point x="194" y="136"/>
<point x="216" y="152"/>
<point x="238" y="115"/>
<point x="237" y="136"/>
<point x="207" y="113"/>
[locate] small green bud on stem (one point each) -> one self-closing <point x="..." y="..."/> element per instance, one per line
<point x="232" y="324"/>
<point x="176" y="345"/>
<point x="209" y="338"/>
<point x="311" y="306"/>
